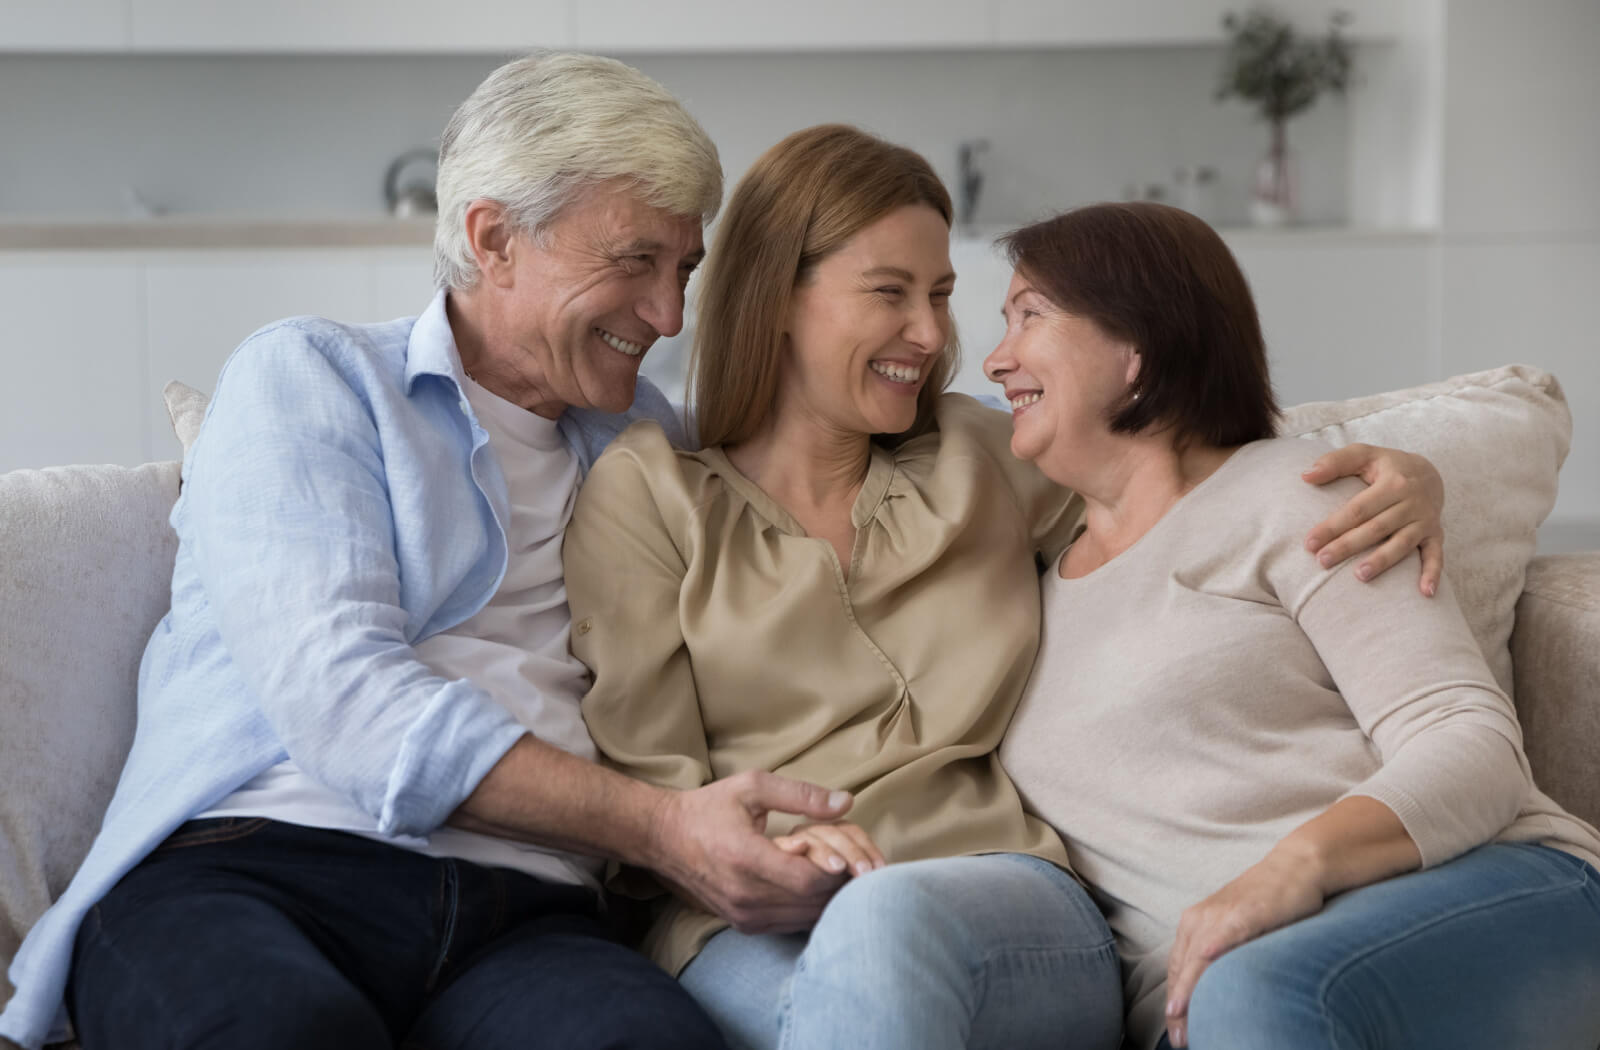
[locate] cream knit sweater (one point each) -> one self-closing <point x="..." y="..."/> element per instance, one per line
<point x="1212" y="688"/>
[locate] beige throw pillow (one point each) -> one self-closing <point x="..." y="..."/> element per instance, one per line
<point x="1498" y="438"/>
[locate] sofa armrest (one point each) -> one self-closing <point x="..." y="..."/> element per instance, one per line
<point x="1555" y="650"/>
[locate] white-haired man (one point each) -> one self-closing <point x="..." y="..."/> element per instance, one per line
<point x="361" y="808"/>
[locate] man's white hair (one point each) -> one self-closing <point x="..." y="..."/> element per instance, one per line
<point x="542" y="129"/>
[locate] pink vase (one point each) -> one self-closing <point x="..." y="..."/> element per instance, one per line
<point x="1274" y="201"/>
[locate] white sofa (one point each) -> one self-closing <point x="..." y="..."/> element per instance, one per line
<point x="86" y="556"/>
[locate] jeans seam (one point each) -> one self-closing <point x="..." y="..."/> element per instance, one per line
<point x="132" y="972"/>
<point x="449" y="900"/>
<point x="216" y="835"/>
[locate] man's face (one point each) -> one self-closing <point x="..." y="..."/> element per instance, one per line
<point x="589" y="296"/>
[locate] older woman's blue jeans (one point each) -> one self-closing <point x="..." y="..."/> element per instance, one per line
<point x="1002" y="950"/>
<point x="1498" y="949"/>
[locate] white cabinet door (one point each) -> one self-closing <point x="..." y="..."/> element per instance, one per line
<point x="349" y="25"/>
<point x="55" y="25"/>
<point x="74" y="354"/>
<point x="402" y="283"/>
<point x="1507" y="300"/>
<point x="1343" y="315"/>
<point x="1085" y="23"/>
<point x="776" y="25"/>
<point x="201" y="305"/>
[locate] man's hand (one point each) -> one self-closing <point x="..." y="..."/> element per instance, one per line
<point x="711" y="843"/>
<point x="1397" y="512"/>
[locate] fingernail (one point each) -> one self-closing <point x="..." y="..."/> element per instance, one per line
<point x="1429" y="588"/>
<point x="862" y="867"/>
<point x="1364" y="573"/>
<point x="835" y="863"/>
<point x="1172" y="1008"/>
<point x="838" y="799"/>
<point x="1325" y="559"/>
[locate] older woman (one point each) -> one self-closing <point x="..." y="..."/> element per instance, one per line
<point x="807" y="597"/>
<point x="1249" y="752"/>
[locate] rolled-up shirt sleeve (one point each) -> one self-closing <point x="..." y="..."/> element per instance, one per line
<point x="292" y="532"/>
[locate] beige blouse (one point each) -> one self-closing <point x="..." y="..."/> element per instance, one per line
<point x="722" y="638"/>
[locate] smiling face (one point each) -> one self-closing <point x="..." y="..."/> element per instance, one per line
<point x="584" y="301"/>
<point x="1062" y="374"/>
<point x="868" y="324"/>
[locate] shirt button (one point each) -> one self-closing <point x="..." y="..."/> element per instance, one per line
<point x="585" y="625"/>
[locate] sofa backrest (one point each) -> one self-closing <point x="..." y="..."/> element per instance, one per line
<point x="86" y="559"/>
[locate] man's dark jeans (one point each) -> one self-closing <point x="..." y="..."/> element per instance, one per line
<point x="248" y="932"/>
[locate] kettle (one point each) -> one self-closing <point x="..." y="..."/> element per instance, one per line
<point x="408" y="185"/>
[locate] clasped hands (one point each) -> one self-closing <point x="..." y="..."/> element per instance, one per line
<point x="713" y="848"/>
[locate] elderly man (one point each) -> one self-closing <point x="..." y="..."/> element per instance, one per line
<point x="361" y="809"/>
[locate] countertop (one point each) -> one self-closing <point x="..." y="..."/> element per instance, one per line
<point x="19" y="233"/>
<point x="250" y="232"/>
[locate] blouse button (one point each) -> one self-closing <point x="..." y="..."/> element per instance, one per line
<point x="585" y="625"/>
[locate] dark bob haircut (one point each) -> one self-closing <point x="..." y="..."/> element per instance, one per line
<point x="1162" y="281"/>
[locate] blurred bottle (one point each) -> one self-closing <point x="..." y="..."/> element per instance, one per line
<point x="1197" y="191"/>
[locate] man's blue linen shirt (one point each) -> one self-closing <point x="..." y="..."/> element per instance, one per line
<point x="341" y="504"/>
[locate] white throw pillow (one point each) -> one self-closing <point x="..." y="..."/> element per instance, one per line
<point x="1498" y="438"/>
<point x="186" y="408"/>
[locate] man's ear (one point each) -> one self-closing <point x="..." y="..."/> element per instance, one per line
<point x="490" y="236"/>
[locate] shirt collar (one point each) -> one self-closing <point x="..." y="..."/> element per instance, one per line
<point x="431" y="350"/>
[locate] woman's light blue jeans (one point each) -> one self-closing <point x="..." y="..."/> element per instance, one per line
<point x="1002" y="950"/>
<point x="1498" y="949"/>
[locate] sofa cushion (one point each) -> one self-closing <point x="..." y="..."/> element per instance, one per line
<point x="1498" y="438"/>
<point x="1556" y="649"/>
<point x="85" y="574"/>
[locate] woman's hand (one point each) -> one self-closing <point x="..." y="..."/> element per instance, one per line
<point x="1273" y="893"/>
<point x="1399" y="509"/>
<point x="835" y="848"/>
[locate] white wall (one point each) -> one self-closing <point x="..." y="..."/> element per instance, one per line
<point x="314" y="134"/>
<point x="1519" y="239"/>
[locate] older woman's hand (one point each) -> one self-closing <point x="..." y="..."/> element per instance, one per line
<point x="835" y="848"/>
<point x="1273" y="893"/>
<point x="1398" y="512"/>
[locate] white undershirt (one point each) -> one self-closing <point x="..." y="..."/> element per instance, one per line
<point x="514" y="648"/>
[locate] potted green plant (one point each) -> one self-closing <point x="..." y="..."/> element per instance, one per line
<point x="1281" y="72"/>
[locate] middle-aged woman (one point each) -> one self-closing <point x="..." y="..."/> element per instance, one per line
<point x="1248" y="752"/>
<point x="802" y="597"/>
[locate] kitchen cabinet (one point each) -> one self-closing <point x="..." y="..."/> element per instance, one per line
<point x="73" y="365"/>
<point x="50" y="25"/>
<point x="488" y="26"/>
<point x="742" y="25"/>
<point x="1093" y="23"/>
<point x="94" y="336"/>
<point x="637" y="26"/>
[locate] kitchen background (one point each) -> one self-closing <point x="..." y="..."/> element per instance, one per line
<point x="175" y="173"/>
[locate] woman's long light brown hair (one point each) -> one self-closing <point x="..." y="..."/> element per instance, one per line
<point x="800" y="202"/>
